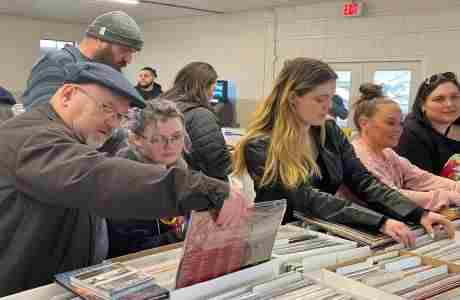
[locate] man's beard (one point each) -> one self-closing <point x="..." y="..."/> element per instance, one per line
<point x="144" y="86"/>
<point x="93" y="140"/>
<point x="105" y="56"/>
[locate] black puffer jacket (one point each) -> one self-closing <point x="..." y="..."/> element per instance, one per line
<point x="338" y="164"/>
<point x="424" y="146"/>
<point x="209" y="152"/>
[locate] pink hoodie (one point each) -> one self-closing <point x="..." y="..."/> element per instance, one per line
<point x="420" y="186"/>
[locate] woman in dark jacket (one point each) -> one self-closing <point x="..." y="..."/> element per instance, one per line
<point x="193" y="87"/>
<point x="428" y="137"/>
<point x="292" y="152"/>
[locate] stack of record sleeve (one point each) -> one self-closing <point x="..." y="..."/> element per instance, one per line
<point x="286" y="286"/>
<point x="403" y="274"/>
<point x="373" y="240"/>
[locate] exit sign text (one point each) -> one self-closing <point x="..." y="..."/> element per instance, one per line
<point x="352" y="9"/>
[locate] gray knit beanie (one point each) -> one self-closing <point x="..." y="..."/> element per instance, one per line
<point x="117" y="27"/>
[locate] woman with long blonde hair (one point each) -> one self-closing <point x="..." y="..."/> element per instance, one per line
<point x="292" y="151"/>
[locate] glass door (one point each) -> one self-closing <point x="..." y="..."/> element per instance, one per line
<point x="400" y="80"/>
<point x="350" y="77"/>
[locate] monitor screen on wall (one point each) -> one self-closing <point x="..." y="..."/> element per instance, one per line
<point x="221" y="91"/>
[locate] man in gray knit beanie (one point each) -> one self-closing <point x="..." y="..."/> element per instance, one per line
<point x="118" y="28"/>
<point x="111" y="38"/>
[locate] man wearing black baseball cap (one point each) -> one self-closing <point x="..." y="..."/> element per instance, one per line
<point x="111" y="38"/>
<point x="56" y="189"/>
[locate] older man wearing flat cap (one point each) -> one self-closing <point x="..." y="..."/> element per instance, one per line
<point x="112" y="39"/>
<point x="56" y="189"/>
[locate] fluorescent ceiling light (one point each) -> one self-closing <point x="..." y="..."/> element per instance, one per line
<point x="126" y="1"/>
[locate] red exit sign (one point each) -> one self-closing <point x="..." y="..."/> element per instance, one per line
<point x="352" y="9"/>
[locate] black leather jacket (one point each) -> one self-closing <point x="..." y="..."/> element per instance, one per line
<point x="338" y="164"/>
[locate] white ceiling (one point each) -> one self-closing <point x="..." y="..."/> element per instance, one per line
<point x="83" y="11"/>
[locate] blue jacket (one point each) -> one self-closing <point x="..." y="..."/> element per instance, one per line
<point x="6" y="97"/>
<point x="6" y="103"/>
<point x="47" y="75"/>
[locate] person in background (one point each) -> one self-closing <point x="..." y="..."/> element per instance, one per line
<point x="428" y="138"/>
<point x="338" y="108"/>
<point x="6" y="104"/>
<point x="57" y="189"/>
<point x="292" y="151"/>
<point x="146" y="85"/>
<point x="378" y="120"/>
<point x="112" y="39"/>
<point x="157" y="136"/>
<point x="192" y="90"/>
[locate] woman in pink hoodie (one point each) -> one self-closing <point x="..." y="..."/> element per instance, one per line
<point x="378" y="120"/>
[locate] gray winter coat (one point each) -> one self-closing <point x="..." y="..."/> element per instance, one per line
<point x="54" y="189"/>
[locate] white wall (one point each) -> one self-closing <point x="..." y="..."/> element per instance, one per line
<point x="246" y="46"/>
<point x="234" y="44"/>
<point x="390" y="30"/>
<point x="20" y="46"/>
<point x="237" y="45"/>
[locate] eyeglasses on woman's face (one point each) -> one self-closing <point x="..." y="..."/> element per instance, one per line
<point x="162" y="141"/>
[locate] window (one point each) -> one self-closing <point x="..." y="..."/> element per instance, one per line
<point x="396" y="85"/>
<point x="400" y="80"/>
<point x="51" y="45"/>
<point x="343" y="91"/>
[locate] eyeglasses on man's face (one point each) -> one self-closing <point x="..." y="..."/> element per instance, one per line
<point x="161" y="140"/>
<point x="105" y="108"/>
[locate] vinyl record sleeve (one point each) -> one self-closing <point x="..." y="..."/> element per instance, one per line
<point x="213" y="250"/>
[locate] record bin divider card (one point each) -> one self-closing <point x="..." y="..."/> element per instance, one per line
<point x="341" y="283"/>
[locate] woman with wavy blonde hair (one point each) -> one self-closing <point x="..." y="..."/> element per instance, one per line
<point x="292" y="151"/>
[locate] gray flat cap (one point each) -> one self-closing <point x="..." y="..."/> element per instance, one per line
<point x="97" y="73"/>
<point x="117" y="27"/>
